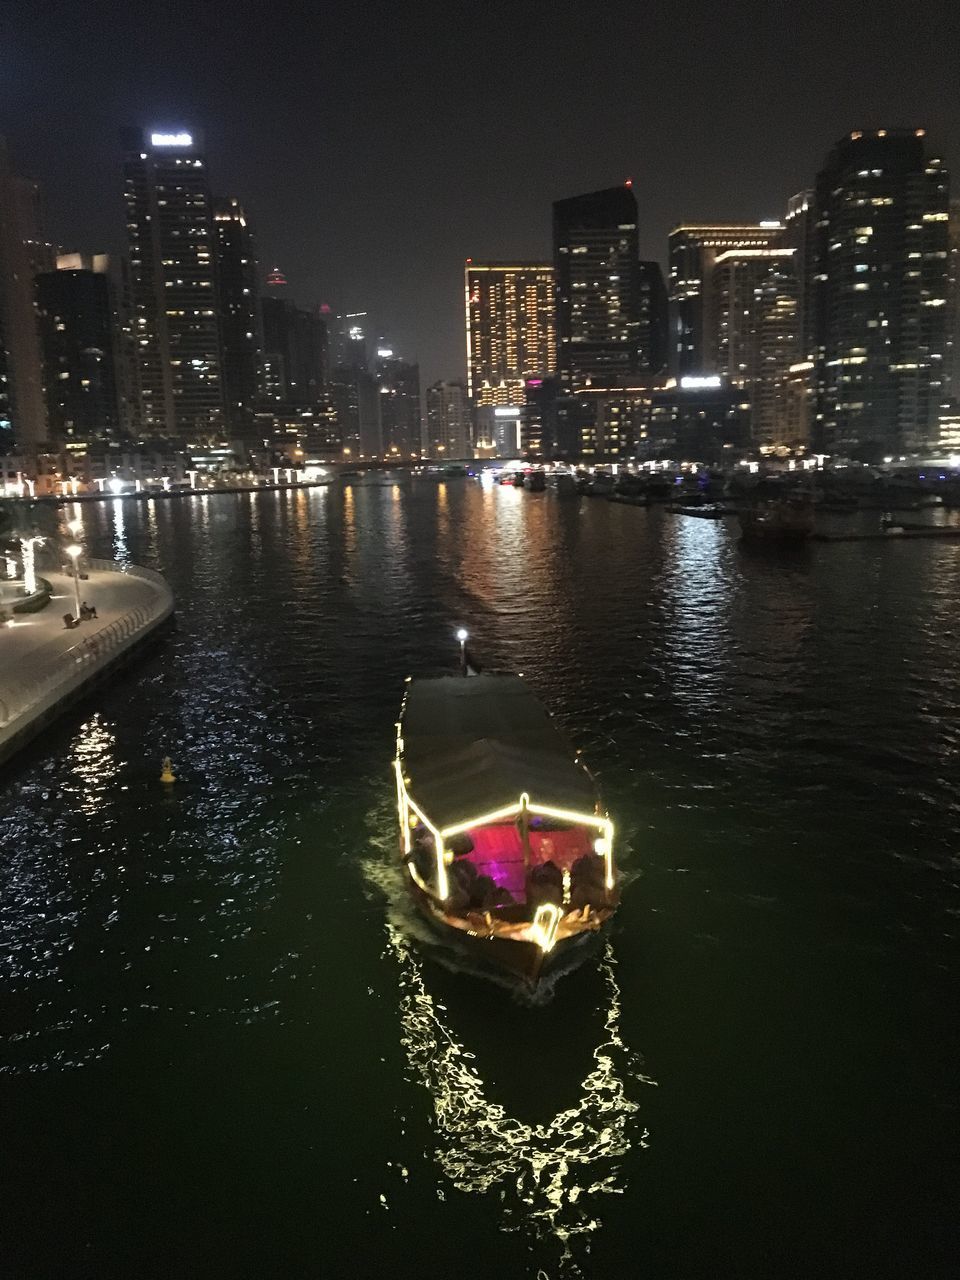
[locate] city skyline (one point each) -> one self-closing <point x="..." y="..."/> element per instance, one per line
<point x="364" y="207"/>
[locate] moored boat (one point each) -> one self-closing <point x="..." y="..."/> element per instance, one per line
<point x="779" y="519"/>
<point x="564" y="483"/>
<point x="705" y="511"/>
<point x="507" y="849"/>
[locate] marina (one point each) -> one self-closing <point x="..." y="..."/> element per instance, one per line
<point x="224" y="992"/>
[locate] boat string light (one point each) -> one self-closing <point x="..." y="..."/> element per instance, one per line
<point x="546" y="921"/>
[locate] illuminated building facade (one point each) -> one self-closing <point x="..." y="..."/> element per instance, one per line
<point x="448" y="431"/>
<point x="700" y="419"/>
<point x="401" y="423"/>
<point x="598" y="297"/>
<point x="510" y="327"/>
<point x="953" y="307"/>
<point x="694" y="249"/>
<point x="653" y="317"/>
<point x="294" y="353"/>
<point x="23" y="416"/>
<point x="756" y="312"/>
<point x="352" y="340"/>
<point x="239" y="311"/>
<point x="538" y="431"/>
<point x="799" y="228"/>
<point x="78" y="329"/>
<point x="881" y="290"/>
<point x="173" y="286"/>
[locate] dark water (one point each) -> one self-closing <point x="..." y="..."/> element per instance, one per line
<point x="223" y="1055"/>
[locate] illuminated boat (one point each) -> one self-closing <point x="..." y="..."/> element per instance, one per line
<point x="507" y="848"/>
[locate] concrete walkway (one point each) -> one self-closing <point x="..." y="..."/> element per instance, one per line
<point x="43" y="664"/>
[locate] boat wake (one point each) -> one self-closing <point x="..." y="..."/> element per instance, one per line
<point x="547" y="1178"/>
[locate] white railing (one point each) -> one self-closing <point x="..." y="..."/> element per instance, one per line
<point x="52" y="674"/>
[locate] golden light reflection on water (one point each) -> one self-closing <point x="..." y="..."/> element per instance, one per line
<point x="548" y="1177"/>
<point x="93" y="763"/>
<point x="120" y="549"/>
<point x="349" y="521"/>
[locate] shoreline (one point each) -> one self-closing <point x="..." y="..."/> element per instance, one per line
<point x="50" y="669"/>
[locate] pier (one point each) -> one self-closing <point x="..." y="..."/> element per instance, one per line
<point x="45" y="667"/>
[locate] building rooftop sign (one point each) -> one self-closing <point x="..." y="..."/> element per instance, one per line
<point x="171" y="140"/>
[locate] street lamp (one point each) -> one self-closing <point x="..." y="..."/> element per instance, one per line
<point x="462" y="636"/>
<point x="73" y="551"/>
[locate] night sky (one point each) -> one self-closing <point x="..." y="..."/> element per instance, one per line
<point x="377" y="145"/>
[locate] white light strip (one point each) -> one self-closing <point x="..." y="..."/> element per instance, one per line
<point x="405" y="801"/>
<point x="546" y="921"/>
<point x="484" y="820"/>
<point x="604" y="824"/>
<point x="443" y="887"/>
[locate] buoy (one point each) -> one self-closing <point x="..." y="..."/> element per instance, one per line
<point x="166" y="770"/>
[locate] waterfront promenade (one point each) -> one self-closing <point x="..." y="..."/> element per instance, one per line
<point x="44" y="666"/>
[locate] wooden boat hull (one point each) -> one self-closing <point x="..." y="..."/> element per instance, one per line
<point x="520" y="959"/>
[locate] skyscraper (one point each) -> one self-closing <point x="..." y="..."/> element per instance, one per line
<point x="294" y="352"/>
<point x="448" y="433"/>
<point x="756" y="311"/>
<point x="176" y="324"/>
<point x="400" y="414"/>
<point x="599" y="321"/>
<point x="881" y="281"/>
<point x="239" y="311"/>
<point x="511" y="333"/>
<point x="23" y="415"/>
<point x="352" y="340"/>
<point x="953" y="308"/>
<point x="693" y="251"/>
<point x="653" y="318"/>
<point x="79" y="331"/>
<point x="799" y="227"/>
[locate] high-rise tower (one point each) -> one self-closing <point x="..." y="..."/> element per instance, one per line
<point x="881" y="286"/>
<point x="239" y="311"/>
<point x="400" y="415"/>
<point x="755" y="302"/>
<point x="23" y="415"/>
<point x="176" y="324"/>
<point x="79" y="332"/>
<point x="694" y="248"/>
<point x="598" y="295"/>
<point x="511" y="333"/>
<point x="953" y="306"/>
<point x="448" y="433"/>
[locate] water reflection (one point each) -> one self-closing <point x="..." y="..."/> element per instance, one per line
<point x="120" y="551"/>
<point x="93" y="763"/>
<point x="698" y="590"/>
<point x="548" y="1177"/>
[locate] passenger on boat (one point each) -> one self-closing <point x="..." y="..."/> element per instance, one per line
<point x="470" y="891"/>
<point x="461" y="878"/>
<point x="423" y="853"/>
<point x="545" y="884"/>
<point x="587" y="882"/>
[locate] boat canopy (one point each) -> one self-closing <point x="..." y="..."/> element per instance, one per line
<point x="473" y="744"/>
